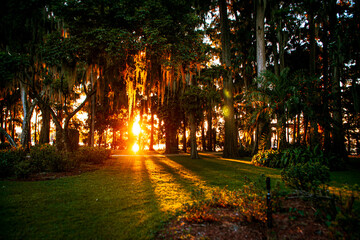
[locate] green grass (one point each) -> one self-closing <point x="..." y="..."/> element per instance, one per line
<point x="128" y="199"/>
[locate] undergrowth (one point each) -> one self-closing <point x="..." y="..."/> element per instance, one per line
<point x="15" y="162"/>
<point x="248" y="202"/>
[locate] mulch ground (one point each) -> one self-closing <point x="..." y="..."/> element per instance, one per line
<point x="287" y="224"/>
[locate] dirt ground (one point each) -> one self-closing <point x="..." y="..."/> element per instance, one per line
<point x="300" y="223"/>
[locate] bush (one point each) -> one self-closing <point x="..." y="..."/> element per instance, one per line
<point x="268" y="158"/>
<point x="249" y="202"/>
<point x="295" y="155"/>
<point x="5" y="145"/>
<point x="306" y="176"/>
<point x="303" y="155"/>
<point x="23" y="169"/>
<point x="47" y="158"/>
<point x="92" y="155"/>
<point x="9" y="159"/>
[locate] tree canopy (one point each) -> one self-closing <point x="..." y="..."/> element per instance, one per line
<point x="236" y="75"/>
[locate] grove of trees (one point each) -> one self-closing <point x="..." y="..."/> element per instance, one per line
<point x="230" y="75"/>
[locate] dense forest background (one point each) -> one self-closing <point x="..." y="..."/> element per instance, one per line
<point x="237" y="76"/>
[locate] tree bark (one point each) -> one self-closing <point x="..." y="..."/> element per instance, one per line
<point x="8" y="137"/>
<point x="203" y="138"/>
<point x="260" y="36"/>
<point x="260" y="6"/>
<point x="194" y="153"/>
<point x="27" y="111"/>
<point x="209" y="132"/>
<point x="184" y="135"/>
<point x="314" y="131"/>
<point x="151" y="147"/>
<point x="45" y="127"/>
<point x="338" y="130"/>
<point x="230" y="145"/>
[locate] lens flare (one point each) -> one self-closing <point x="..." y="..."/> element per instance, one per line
<point x="136" y="128"/>
<point x="135" y="148"/>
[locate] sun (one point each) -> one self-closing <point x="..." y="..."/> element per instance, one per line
<point x="136" y="129"/>
<point x="135" y="148"/>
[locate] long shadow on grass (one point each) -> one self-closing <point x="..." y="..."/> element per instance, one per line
<point x="187" y="178"/>
<point x="168" y="189"/>
<point x="219" y="172"/>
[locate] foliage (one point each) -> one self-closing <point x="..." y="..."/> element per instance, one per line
<point x="193" y="101"/>
<point x="249" y="202"/>
<point x="46" y="158"/>
<point x="92" y="155"/>
<point x="294" y="155"/>
<point x="268" y="158"/>
<point x="123" y="186"/>
<point x="339" y="213"/>
<point x="5" y="145"/>
<point x="9" y="159"/>
<point x="306" y="176"/>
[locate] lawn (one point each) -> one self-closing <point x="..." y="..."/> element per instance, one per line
<point x="129" y="198"/>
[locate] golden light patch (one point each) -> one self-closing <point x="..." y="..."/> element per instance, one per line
<point x="188" y="175"/>
<point x="170" y="194"/>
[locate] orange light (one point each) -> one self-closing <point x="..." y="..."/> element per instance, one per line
<point x="136" y="128"/>
<point x="135" y="148"/>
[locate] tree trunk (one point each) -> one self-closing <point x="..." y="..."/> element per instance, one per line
<point x="45" y="127"/>
<point x="260" y="6"/>
<point x="193" y="144"/>
<point x="209" y="132"/>
<point x="325" y="95"/>
<point x="260" y="36"/>
<point x="203" y="138"/>
<point x="338" y="130"/>
<point x="151" y="147"/>
<point x="230" y="145"/>
<point x="170" y="135"/>
<point x="312" y="62"/>
<point x="113" y="138"/>
<point x="2" y="136"/>
<point x="184" y="135"/>
<point x="92" y="121"/>
<point x="314" y="131"/>
<point x="27" y="111"/>
<point x="306" y="123"/>
<point x="8" y="137"/>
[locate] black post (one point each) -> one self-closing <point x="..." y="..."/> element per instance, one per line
<point x="268" y="202"/>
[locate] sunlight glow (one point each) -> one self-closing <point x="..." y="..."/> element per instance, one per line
<point x="135" y="148"/>
<point x="170" y="194"/>
<point x="136" y="128"/>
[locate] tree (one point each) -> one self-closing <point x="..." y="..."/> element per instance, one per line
<point x="230" y="146"/>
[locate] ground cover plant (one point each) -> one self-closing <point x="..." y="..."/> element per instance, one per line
<point x="45" y="159"/>
<point x="134" y="197"/>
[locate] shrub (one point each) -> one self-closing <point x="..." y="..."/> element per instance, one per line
<point x="9" y="159"/>
<point x="47" y="158"/>
<point x="296" y="155"/>
<point x="92" y="155"/>
<point x="306" y="176"/>
<point x="23" y="169"/>
<point x="303" y="155"/>
<point x="267" y="158"/>
<point x="249" y="202"/>
<point x="5" y="145"/>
